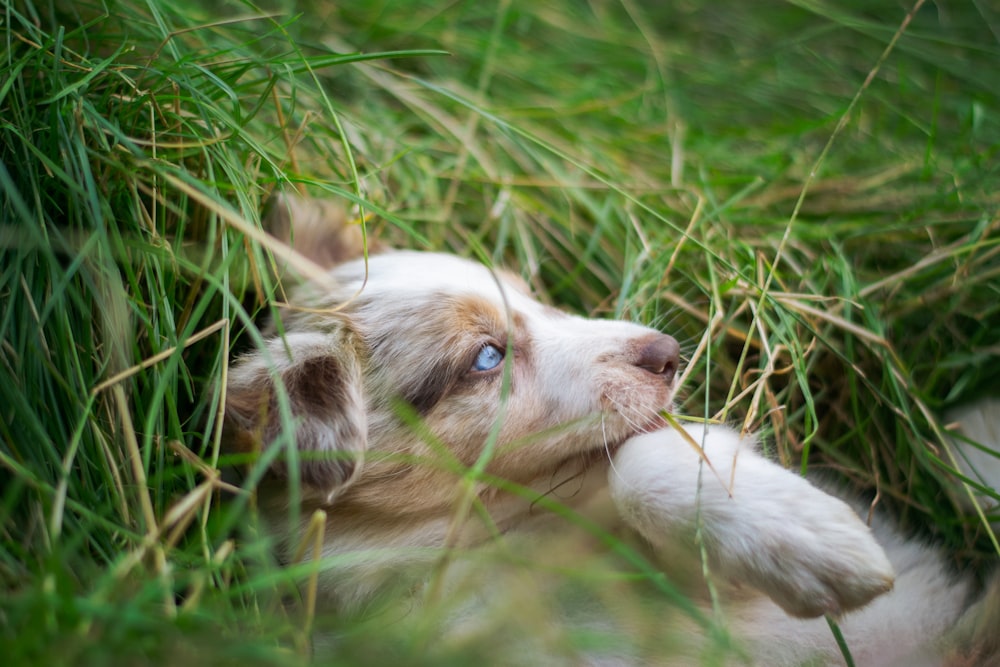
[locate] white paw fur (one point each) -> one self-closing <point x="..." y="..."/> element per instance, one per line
<point x="761" y="525"/>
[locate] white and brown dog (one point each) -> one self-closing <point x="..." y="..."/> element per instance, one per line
<point x="439" y="415"/>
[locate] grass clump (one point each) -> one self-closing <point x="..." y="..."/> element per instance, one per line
<point x="660" y="163"/>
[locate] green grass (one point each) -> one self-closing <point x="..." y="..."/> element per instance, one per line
<point x="825" y="247"/>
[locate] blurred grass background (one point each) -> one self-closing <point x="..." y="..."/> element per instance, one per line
<point x="807" y="202"/>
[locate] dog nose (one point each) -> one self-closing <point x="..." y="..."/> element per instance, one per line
<point x="660" y="356"/>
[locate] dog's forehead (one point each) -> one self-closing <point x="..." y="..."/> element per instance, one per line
<point x="404" y="274"/>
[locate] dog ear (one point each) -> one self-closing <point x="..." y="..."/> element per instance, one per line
<point x="320" y="229"/>
<point x="320" y="374"/>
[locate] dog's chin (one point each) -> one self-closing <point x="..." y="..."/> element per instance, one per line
<point x="605" y="449"/>
<point x="655" y="423"/>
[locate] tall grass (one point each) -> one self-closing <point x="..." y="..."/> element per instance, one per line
<point x="654" y="161"/>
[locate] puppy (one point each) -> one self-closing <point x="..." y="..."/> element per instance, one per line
<point x="438" y="415"/>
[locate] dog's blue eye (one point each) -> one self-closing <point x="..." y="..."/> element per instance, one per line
<point x="489" y="357"/>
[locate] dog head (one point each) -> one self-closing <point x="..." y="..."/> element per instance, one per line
<point x="425" y="364"/>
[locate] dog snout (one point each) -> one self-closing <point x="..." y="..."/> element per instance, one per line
<point x="660" y="355"/>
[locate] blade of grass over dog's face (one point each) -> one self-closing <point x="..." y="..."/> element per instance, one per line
<point x="639" y="160"/>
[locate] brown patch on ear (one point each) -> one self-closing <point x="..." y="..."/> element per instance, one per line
<point x="323" y="384"/>
<point x="320" y="229"/>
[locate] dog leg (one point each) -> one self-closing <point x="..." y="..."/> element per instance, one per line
<point x="976" y="638"/>
<point x="760" y="524"/>
<point x="978" y="451"/>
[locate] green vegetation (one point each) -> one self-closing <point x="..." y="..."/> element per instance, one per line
<point x="807" y="202"/>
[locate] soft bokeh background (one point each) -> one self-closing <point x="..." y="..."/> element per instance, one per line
<point x="803" y="193"/>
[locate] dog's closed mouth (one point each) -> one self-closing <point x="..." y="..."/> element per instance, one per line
<point x="586" y="435"/>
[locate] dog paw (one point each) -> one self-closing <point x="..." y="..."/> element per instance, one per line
<point x="810" y="553"/>
<point x="760" y="524"/>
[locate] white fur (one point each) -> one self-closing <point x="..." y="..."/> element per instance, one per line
<point x="979" y="423"/>
<point x="759" y="523"/>
<point x="810" y="552"/>
<point x="780" y="551"/>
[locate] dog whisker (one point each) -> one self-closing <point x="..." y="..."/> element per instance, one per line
<point x="437" y="405"/>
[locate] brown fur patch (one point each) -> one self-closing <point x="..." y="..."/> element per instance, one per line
<point x="430" y="346"/>
<point x="319" y="229"/>
<point x="323" y="384"/>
